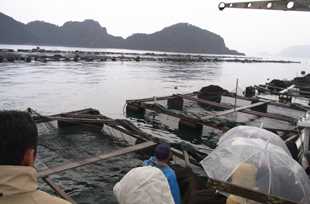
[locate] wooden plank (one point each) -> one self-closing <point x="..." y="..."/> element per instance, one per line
<point x="204" y="101"/>
<point x="186" y="158"/>
<point x="76" y="115"/>
<point x="193" y="120"/>
<point x="232" y="110"/>
<point x="264" y="89"/>
<point x="291" y="106"/>
<point x="159" y="98"/>
<point x="58" y="190"/>
<point x="267" y="115"/>
<point x="277" y="93"/>
<point x="174" y="152"/>
<point x="292" y="138"/>
<point x="83" y="120"/>
<point x="38" y="119"/>
<point x="246" y="192"/>
<point x="298" y="91"/>
<point x="287" y="89"/>
<point x="57" y="169"/>
<point x="282" y="130"/>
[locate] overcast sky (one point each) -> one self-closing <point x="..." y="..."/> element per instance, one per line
<point x="245" y="30"/>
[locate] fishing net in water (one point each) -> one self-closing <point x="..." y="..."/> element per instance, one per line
<point x="58" y="146"/>
<point x="201" y="118"/>
<point x="74" y="141"/>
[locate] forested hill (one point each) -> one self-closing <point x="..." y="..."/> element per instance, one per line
<point x="182" y="37"/>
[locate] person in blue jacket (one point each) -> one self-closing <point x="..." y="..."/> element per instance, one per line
<point x="160" y="160"/>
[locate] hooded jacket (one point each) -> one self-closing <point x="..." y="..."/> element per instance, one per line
<point x="143" y="185"/>
<point x="243" y="176"/>
<point x="18" y="184"/>
<point x="170" y="175"/>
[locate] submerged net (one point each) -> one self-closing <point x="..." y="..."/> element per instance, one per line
<point x="73" y="144"/>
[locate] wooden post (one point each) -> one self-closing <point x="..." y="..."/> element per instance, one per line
<point x="58" y="190"/>
<point x="246" y="192"/>
<point x="236" y="95"/>
<point x="186" y="158"/>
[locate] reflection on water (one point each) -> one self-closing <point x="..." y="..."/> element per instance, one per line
<point x="56" y="87"/>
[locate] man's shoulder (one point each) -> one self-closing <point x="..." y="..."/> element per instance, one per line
<point x="42" y="197"/>
<point x="168" y="171"/>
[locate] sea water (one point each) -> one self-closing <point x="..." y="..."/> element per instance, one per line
<point x="55" y="87"/>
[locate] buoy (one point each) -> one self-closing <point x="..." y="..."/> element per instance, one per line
<point x="262" y="108"/>
<point x="175" y="87"/>
<point x="175" y="103"/>
<point x="135" y="109"/>
<point x="186" y="125"/>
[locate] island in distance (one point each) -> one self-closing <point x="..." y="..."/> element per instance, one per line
<point x="297" y="51"/>
<point x="181" y="37"/>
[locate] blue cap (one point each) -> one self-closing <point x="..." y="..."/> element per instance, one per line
<point x="162" y="151"/>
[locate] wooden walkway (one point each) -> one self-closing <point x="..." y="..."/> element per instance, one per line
<point x="82" y="117"/>
<point x="126" y="150"/>
<point x="302" y="94"/>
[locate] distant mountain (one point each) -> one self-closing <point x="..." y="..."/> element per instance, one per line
<point x="15" y="32"/>
<point x="181" y="37"/>
<point x="298" y="51"/>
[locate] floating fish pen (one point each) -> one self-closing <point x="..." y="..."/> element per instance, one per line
<point x="194" y="188"/>
<point x="284" y="90"/>
<point x="123" y="132"/>
<point x="210" y="112"/>
<point x="37" y="54"/>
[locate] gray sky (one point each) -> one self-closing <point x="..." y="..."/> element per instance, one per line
<point x="244" y="30"/>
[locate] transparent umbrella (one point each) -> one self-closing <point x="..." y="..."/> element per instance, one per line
<point x="257" y="164"/>
<point x="254" y="132"/>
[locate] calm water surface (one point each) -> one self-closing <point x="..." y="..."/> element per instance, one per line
<point x="55" y="87"/>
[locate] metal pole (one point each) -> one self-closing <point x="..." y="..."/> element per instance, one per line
<point x="236" y="94"/>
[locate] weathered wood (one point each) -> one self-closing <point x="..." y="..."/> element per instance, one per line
<point x="83" y="120"/>
<point x="287" y="89"/>
<point x="181" y="117"/>
<point x="159" y="98"/>
<point x="57" y="169"/>
<point x="232" y="110"/>
<point x="76" y="115"/>
<point x="298" y="91"/>
<point x="282" y="130"/>
<point x="186" y="158"/>
<point x="58" y="190"/>
<point x="278" y="93"/>
<point x="267" y="115"/>
<point x="290" y="106"/>
<point x="292" y="138"/>
<point x="265" y="89"/>
<point x="38" y="119"/>
<point x="204" y="101"/>
<point x="246" y="192"/>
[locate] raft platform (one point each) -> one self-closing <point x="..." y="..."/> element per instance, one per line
<point x="91" y="117"/>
